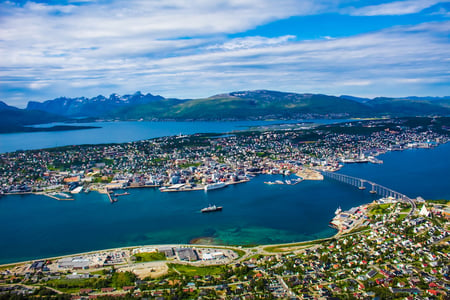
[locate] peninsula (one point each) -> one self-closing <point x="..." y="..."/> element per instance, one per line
<point x="185" y="163"/>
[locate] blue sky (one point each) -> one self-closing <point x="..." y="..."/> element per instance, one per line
<point x="198" y="48"/>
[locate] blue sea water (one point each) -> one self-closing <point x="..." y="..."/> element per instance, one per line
<point x="122" y="132"/>
<point x="35" y="226"/>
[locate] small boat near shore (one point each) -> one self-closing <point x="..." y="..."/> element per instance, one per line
<point x="211" y="208"/>
<point x="122" y="194"/>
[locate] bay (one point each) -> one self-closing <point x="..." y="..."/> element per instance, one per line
<point x="123" y="132"/>
<point x="35" y="226"/>
<point x="413" y="172"/>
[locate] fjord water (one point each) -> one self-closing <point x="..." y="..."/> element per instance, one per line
<point x="253" y="213"/>
<point x="123" y="132"/>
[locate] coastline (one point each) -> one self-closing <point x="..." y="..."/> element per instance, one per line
<point x="304" y="241"/>
<point x="193" y="244"/>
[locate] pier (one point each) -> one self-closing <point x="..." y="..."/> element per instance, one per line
<point x="375" y="188"/>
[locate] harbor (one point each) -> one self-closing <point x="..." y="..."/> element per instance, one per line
<point x="253" y="213"/>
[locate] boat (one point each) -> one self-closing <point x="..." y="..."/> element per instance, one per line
<point x="76" y="190"/>
<point x="215" y="186"/>
<point x="122" y="194"/>
<point x="211" y="208"/>
<point x="338" y="211"/>
<point x="62" y="195"/>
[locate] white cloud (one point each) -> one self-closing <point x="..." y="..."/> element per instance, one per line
<point x="37" y="85"/>
<point x="356" y="82"/>
<point x="252" y="42"/>
<point x="394" y="8"/>
<point x="180" y="49"/>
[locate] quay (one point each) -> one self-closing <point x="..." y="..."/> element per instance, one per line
<point x="108" y="193"/>
<point x="53" y="196"/>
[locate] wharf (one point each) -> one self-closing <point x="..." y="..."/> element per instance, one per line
<point x="56" y="198"/>
<point x="308" y="174"/>
<point x="108" y="193"/>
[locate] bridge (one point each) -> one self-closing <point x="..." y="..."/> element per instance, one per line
<point x="375" y="188"/>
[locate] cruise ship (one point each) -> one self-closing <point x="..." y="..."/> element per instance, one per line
<point x="211" y="208"/>
<point x="214" y="186"/>
<point x="76" y="190"/>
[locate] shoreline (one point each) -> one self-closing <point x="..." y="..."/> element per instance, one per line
<point x="189" y="245"/>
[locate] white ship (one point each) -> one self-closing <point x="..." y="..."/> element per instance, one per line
<point x="76" y="190"/>
<point x="214" y="186"/>
<point x="211" y="208"/>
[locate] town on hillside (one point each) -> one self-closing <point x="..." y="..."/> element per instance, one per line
<point x="204" y="161"/>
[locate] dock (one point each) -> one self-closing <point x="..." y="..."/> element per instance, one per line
<point x="308" y="174"/>
<point x="53" y="196"/>
<point x="111" y="199"/>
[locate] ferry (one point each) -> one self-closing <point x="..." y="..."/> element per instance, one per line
<point x="215" y="186"/>
<point x="211" y="208"/>
<point x="76" y="190"/>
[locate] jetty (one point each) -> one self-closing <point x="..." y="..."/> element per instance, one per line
<point x="63" y="197"/>
<point x="110" y="196"/>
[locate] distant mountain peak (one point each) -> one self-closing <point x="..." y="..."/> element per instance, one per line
<point x="91" y="107"/>
<point x="239" y="105"/>
<point x="4" y="106"/>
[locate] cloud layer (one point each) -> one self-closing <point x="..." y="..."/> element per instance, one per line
<point x="182" y="49"/>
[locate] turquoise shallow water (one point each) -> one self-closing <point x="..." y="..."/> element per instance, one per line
<point x="36" y="226"/>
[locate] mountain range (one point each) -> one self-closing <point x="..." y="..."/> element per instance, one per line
<point x="241" y="105"/>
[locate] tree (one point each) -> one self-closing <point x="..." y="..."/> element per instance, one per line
<point x="121" y="279"/>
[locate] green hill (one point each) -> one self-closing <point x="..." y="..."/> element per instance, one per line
<point x="241" y="105"/>
<point x="408" y="107"/>
<point x="247" y="105"/>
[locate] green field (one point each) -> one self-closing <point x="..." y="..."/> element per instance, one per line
<point x="278" y="248"/>
<point x="149" y="256"/>
<point x="201" y="271"/>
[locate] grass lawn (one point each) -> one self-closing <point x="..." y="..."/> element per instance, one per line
<point x="406" y="210"/>
<point x="380" y="209"/>
<point x="401" y="217"/>
<point x="149" y="256"/>
<point x="279" y="248"/>
<point x="201" y="271"/>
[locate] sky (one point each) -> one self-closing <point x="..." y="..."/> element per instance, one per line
<point x="199" y="48"/>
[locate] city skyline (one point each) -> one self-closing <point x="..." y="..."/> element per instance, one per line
<point x="86" y="48"/>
